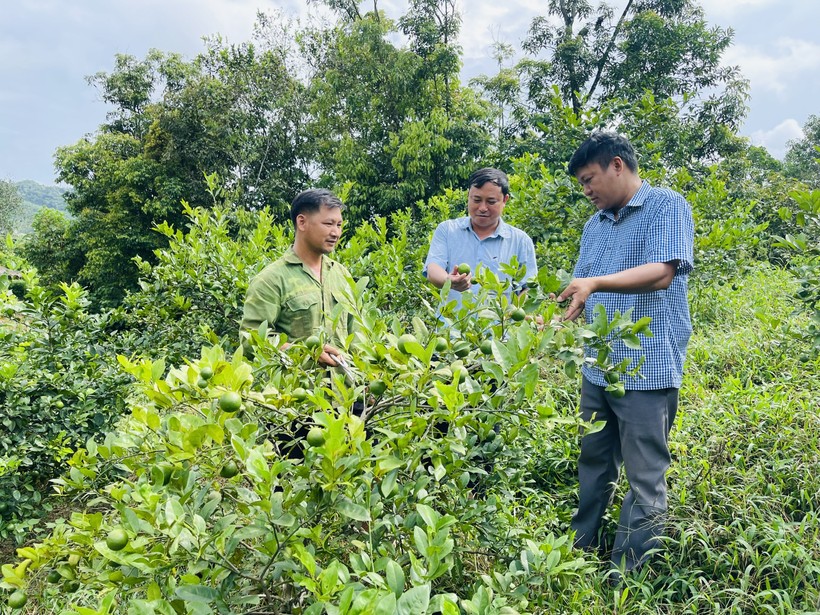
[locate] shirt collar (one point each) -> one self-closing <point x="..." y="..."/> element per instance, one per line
<point x="502" y="230"/>
<point x="293" y="259"/>
<point x="636" y="201"/>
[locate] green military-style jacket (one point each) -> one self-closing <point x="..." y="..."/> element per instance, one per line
<point x="291" y="298"/>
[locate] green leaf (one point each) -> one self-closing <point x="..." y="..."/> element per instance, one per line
<point x="395" y="577"/>
<point x="386" y="605"/>
<point x="157" y="369"/>
<point x="196" y="593"/>
<point x="429" y="515"/>
<point x="388" y="483"/>
<point x="352" y="510"/>
<point x="631" y="341"/>
<point x="642" y="326"/>
<point x="414" y="601"/>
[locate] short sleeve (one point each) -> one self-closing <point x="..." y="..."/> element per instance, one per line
<point x="527" y="257"/>
<point x="438" y="253"/>
<point x="672" y="235"/>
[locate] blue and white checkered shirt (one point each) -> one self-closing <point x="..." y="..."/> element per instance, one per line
<point x="455" y="242"/>
<point x="654" y="227"/>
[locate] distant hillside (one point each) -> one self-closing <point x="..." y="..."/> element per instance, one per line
<point x="36" y="196"/>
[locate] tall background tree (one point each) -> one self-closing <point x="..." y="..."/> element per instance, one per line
<point x="10" y="205"/>
<point x="657" y="55"/>
<point x="234" y="110"/>
<point x="802" y="160"/>
<point x="393" y="122"/>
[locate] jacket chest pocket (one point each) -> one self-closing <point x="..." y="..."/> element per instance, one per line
<point x="305" y="314"/>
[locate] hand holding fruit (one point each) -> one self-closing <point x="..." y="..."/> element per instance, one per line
<point x="460" y="278"/>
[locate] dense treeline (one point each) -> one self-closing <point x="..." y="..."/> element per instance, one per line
<point x="119" y="374"/>
<point x="348" y="106"/>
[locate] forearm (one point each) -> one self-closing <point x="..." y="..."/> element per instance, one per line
<point x="436" y="275"/>
<point x="641" y="279"/>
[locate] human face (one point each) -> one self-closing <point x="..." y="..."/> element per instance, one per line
<point x="484" y="206"/>
<point x="605" y="188"/>
<point x="320" y="231"/>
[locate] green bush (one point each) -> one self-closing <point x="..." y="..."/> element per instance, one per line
<point x="402" y="507"/>
<point x="59" y="386"/>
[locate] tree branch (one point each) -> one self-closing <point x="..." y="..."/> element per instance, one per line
<point x="605" y="56"/>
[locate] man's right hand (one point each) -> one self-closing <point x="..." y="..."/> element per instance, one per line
<point x="328" y="356"/>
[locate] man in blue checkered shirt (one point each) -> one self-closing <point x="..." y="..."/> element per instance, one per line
<point x="636" y="252"/>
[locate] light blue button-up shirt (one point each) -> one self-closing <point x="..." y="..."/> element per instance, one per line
<point x="656" y="226"/>
<point x="455" y="242"/>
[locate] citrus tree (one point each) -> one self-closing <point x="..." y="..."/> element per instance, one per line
<point x="59" y="386"/>
<point x="275" y="486"/>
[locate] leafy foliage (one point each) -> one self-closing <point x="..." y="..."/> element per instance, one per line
<point x="802" y="156"/>
<point x="658" y="54"/>
<point x="58" y="388"/>
<point x="353" y="521"/>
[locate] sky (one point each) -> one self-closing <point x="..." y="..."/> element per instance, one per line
<point x="49" y="47"/>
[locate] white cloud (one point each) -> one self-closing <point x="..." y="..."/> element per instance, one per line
<point x="775" y="140"/>
<point x="730" y="8"/>
<point x="484" y="23"/>
<point x="773" y="69"/>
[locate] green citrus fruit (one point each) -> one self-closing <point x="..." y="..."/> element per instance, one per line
<point x="206" y="372"/>
<point x="59" y="404"/>
<point x="117" y="539"/>
<point x="612" y="377"/>
<point x="618" y="393"/>
<point x="518" y="314"/>
<point x="18" y="599"/>
<point x="458" y="369"/>
<point x="486" y="347"/>
<point x="464" y="268"/>
<point x="441" y="344"/>
<point x="378" y="387"/>
<point x="115" y="576"/>
<point x="313" y="342"/>
<point x="229" y="470"/>
<point x="201" y="383"/>
<point x="405" y="339"/>
<point x="54" y="577"/>
<point x="71" y="586"/>
<point x="230" y="401"/>
<point x="316" y="436"/>
<point x="299" y="394"/>
<point x="462" y="348"/>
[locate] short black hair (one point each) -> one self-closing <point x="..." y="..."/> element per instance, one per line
<point x="602" y="147"/>
<point x="488" y="174"/>
<point x="311" y="201"/>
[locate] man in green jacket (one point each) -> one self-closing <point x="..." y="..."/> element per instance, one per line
<point x="300" y="293"/>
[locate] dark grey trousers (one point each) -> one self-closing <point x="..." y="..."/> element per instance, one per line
<point x="636" y="434"/>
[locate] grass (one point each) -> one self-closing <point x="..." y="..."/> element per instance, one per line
<point x="745" y="481"/>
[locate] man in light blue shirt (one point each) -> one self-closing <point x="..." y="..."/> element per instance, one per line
<point x="636" y="253"/>
<point x="481" y="237"/>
